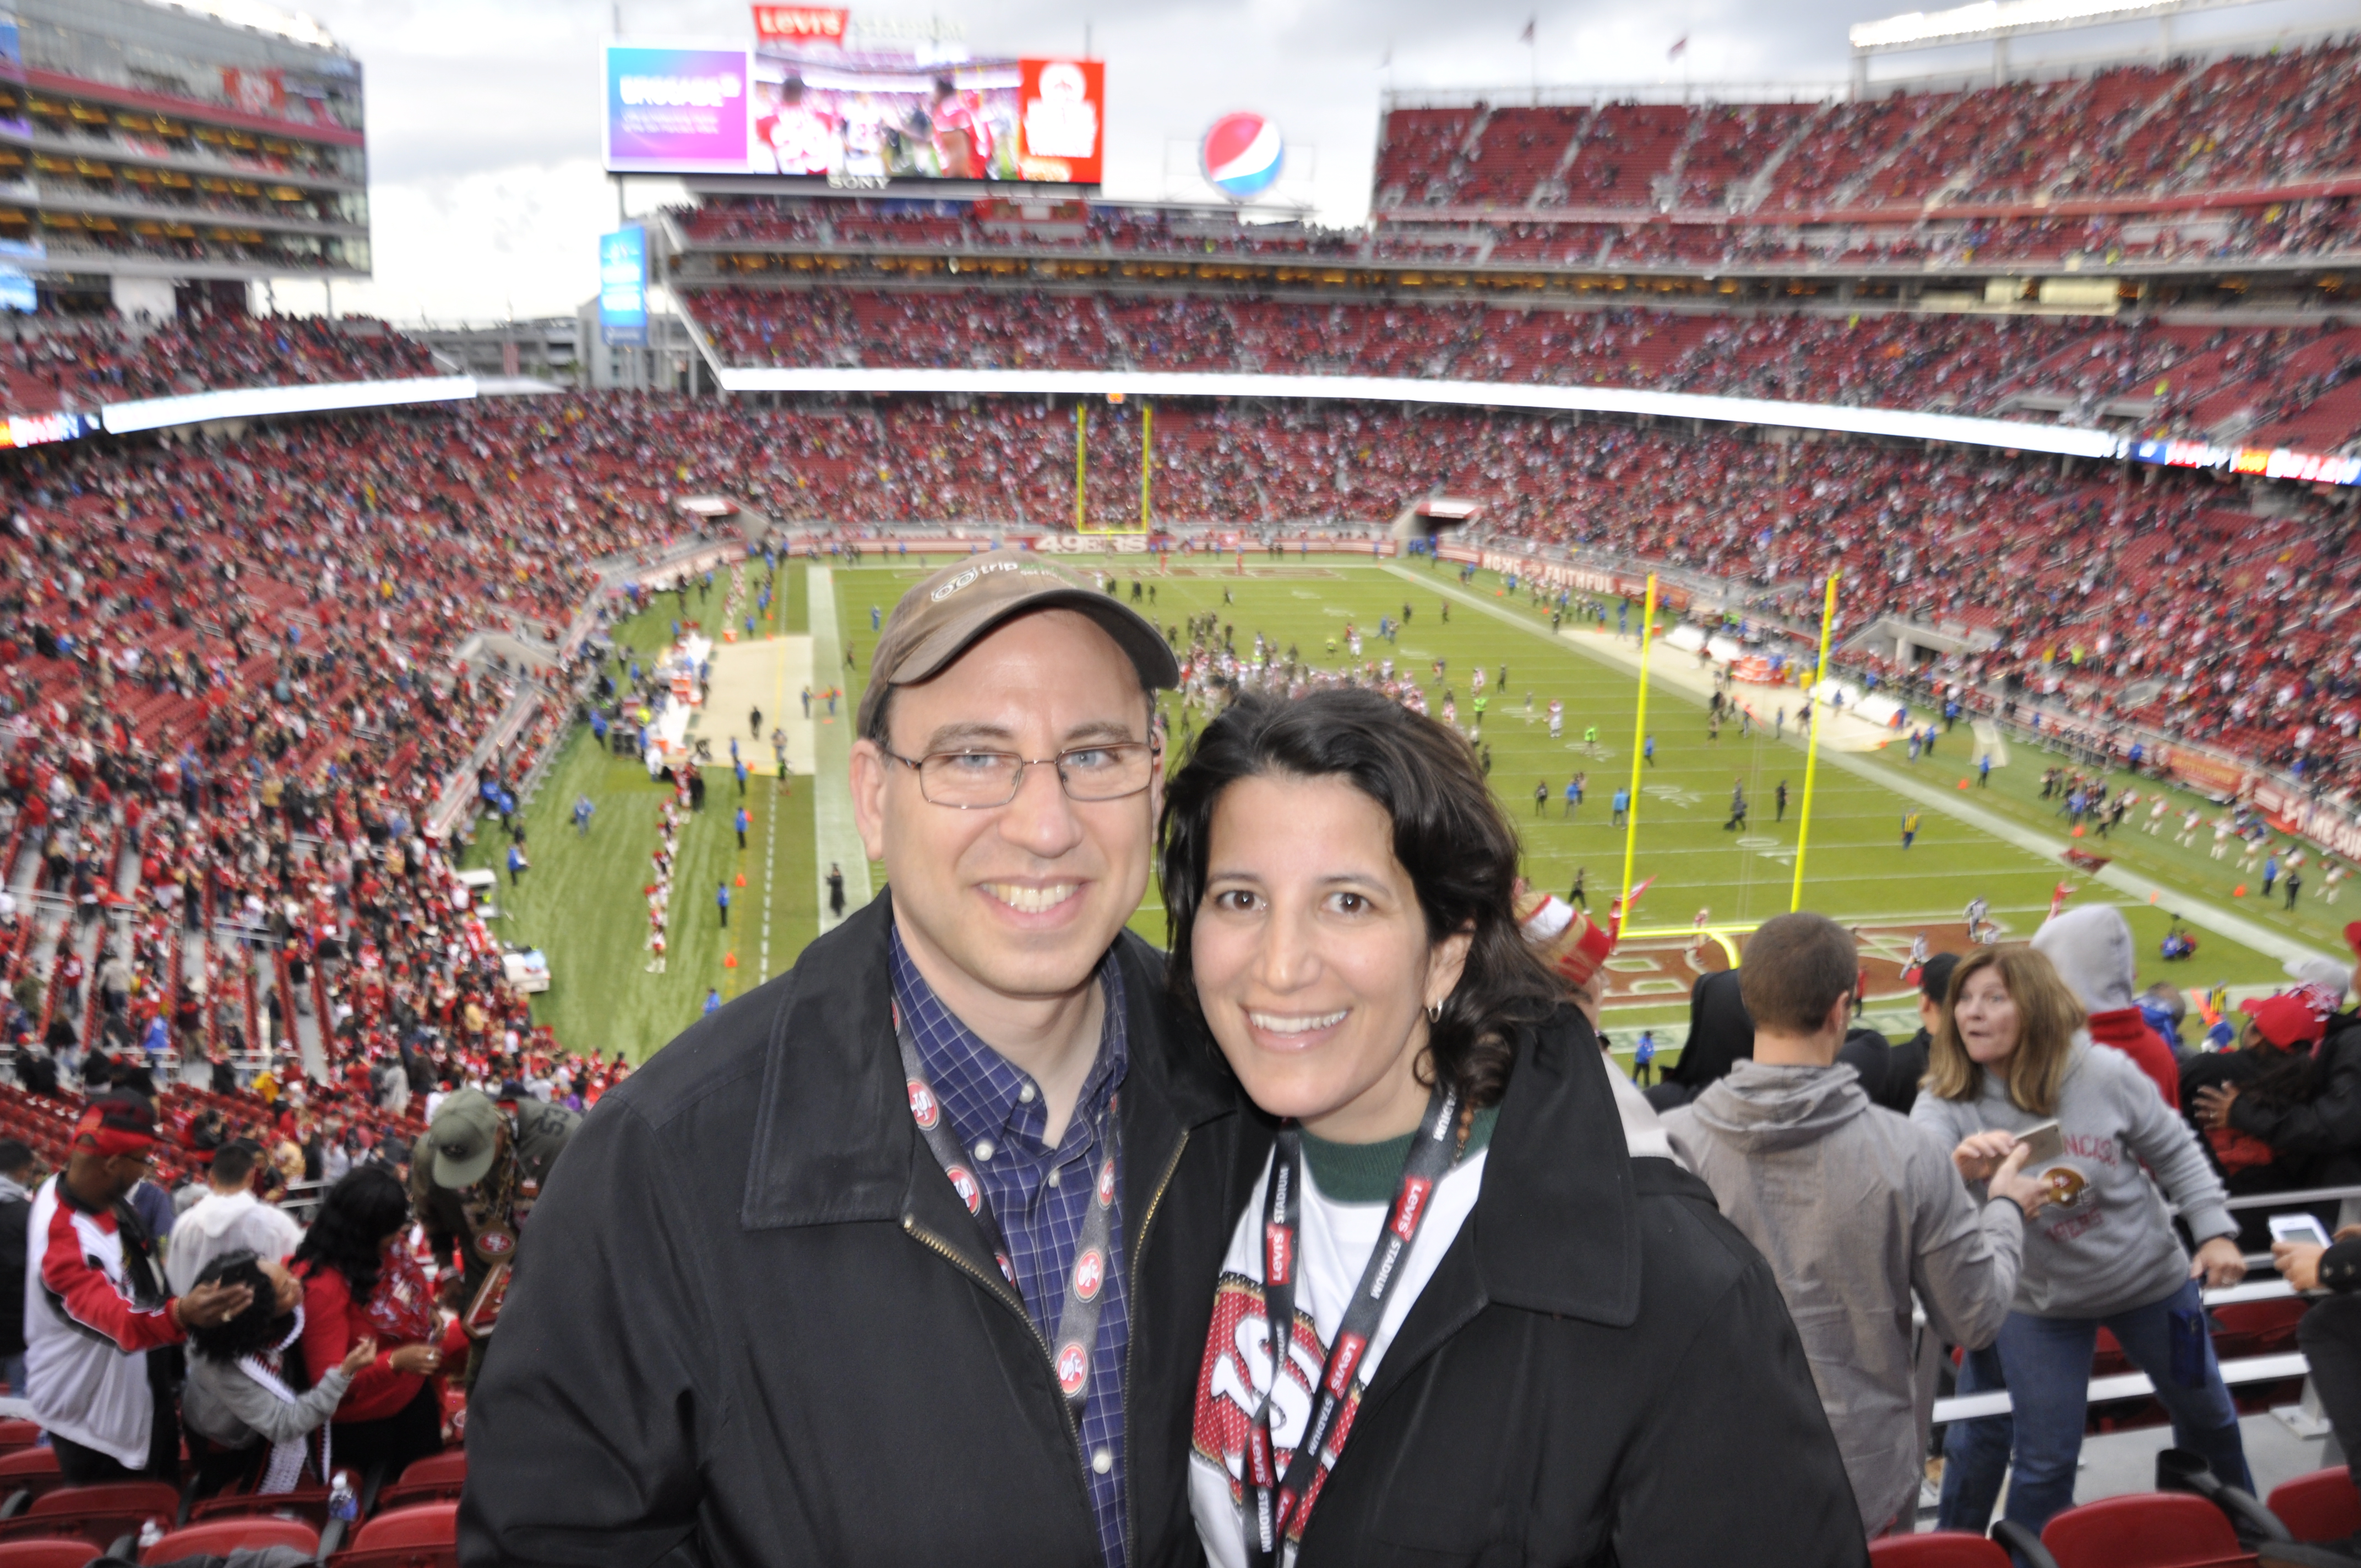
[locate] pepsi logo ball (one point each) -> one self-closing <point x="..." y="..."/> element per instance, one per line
<point x="1241" y="155"/>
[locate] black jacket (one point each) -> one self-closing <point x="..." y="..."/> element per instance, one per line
<point x="1889" y="1073"/>
<point x="2314" y="1121"/>
<point x="753" y="1322"/>
<point x="1601" y="1371"/>
<point x="16" y="1213"/>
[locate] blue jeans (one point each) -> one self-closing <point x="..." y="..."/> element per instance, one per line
<point x="2044" y="1363"/>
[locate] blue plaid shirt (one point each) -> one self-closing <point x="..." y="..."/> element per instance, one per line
<point x="1041" y="1195"/>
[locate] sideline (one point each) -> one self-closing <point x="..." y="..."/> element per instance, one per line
<point x="835" y="838"/>
<point x="2197" y="911"/>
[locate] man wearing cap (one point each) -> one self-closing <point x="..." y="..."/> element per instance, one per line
<point x="906" y="1256"/>
<point x="95" y="1305"/>
<point x="478" y="1173"/>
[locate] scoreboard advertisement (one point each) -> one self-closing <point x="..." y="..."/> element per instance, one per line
<point x="810" y="100"/>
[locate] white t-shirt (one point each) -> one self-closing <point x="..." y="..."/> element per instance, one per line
<point x="1334" y="1243"/>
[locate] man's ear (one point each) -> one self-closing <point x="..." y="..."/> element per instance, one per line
<point x="1840" y="1017"/>
<point x="868" y="768"/>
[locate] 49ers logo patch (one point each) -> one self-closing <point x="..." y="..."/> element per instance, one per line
<point x="923" y="1107"/>
<point x="1090" y="1272"/>
<point x="963" y="1183"/>
<point x="1106" y="1183"/>
<point x="1073" y="1367"/>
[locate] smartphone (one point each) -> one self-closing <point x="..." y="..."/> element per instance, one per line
<point x="2044" y="1144"/>
<point x="2304" y="1228"/>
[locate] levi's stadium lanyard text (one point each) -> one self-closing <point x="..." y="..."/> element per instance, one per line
<point x="1432" y="1152"/>
<point x="1076" y="1346"/>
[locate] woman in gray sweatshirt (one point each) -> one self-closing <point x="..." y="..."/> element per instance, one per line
<point x="244" y="1393"/>
<point x="2011" y="1055"/>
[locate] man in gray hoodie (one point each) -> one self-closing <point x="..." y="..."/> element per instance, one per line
<point x="1854" y="1207"/>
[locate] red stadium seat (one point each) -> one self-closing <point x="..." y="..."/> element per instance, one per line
<point x="45" y="1553"/>
<point x="1938" y="1549"/>
<point x="32" y="1471"/>
<point x="2322" y="1506"/>
<point x="2144" y="1530"/>
<point x="425" y="1535"/>
<point x="437" y="1479"/>
<point x="222" y="1537"/>
<point x="307" y="1503"/>
<point x="16" y="1435"/>
<point x="97" y="1514"/>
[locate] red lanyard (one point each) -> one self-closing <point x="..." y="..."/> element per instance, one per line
<point x="1434" y="1151"/>
<point x="1075" y="1348"/>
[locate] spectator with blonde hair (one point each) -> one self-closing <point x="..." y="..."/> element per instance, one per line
<point x="2011" y="1059"/>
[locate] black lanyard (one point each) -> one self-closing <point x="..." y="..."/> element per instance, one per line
<point x="1076" y="1344"/>
<point x="1432" y="1152"/>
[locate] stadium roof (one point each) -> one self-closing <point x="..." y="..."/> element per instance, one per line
<point x="1990" y="19"/>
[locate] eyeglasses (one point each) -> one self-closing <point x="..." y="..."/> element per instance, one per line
<point x="975" y="781"/>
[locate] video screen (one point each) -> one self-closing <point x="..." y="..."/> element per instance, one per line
<point x="822" y="112"/>
<point x="996" y="120"/>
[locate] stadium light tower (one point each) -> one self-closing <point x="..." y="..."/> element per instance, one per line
<point x="1997" y="21"/>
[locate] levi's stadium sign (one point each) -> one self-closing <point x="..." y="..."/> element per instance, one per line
<point x="2266" y="462"/>
<point x="806" y="24"/>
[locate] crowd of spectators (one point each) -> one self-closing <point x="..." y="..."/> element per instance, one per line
<point x="2265" y="386"/>
<point x="2243" y="122"/>
<point x="227" y="682"/>
<point x="61" y="362"/>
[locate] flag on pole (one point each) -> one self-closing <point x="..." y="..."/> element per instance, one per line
<point x="1527" y="36"/>
<point x="1680" y="47"/>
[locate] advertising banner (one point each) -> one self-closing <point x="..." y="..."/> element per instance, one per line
<point x="2205" y="771"/>
<point x="801" y="24"/>
<point x="677" y="111"/>
<point x="1064" y="109"/>
<point x="623" y="287"/>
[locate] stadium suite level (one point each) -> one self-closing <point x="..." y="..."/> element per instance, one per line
<point x="165" y="161"/>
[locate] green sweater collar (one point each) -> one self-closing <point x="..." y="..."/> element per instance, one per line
<point x="1368" y="1173"/>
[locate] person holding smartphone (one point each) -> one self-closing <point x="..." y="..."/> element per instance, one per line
<point x="2329" y="1333"/>
<point x="2010" y="1055"/>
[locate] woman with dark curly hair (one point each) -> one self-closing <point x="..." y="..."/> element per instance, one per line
<point x="1530" y="1325"/>
<point x="360" y="1282"/>
<point x="249" y="1400"/>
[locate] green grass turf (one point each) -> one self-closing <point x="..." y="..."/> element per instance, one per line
<point x="586" y="911"/>
<point x="581" y="903"/>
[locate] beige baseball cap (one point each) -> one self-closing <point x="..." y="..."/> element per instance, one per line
<point x="943" y="617"/>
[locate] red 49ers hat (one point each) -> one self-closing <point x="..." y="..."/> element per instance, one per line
<point x="944" y="616"/>
<point x="2353" y="937"/>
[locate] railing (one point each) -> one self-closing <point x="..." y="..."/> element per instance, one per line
<point x="2245" y="1370"/>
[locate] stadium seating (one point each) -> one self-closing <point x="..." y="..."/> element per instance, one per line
<point x="222" y="1537"/>
<point x="2320" y="1506"/>
<point x="84" y="365"/>
<point x="45" y="1552"/>
<point x="98" y="1514"/>
<point x="437" y="1479"/>
<point x="2145" y="1530"/>
<point x="1946" y="1549"/>
<point x="425" y="1535"/>
<point x="26" y="1473"/>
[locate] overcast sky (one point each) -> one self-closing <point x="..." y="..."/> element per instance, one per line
<point x="486" y="197"/>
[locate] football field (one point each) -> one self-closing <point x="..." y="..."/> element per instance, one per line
<point x="581" y="901"/>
